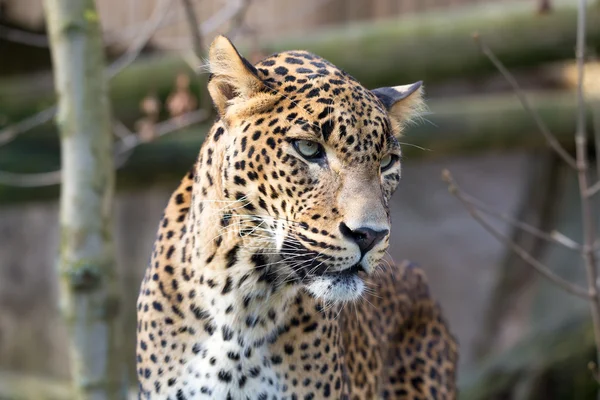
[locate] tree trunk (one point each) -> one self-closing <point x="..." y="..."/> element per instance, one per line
<point x="88" y="276"/>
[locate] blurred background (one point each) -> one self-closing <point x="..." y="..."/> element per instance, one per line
<point x="521" y="337"/>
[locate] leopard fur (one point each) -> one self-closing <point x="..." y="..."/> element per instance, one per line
<point x="268" y="278"/>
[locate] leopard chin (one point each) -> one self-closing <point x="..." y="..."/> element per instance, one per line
<point x="339" y="287"/>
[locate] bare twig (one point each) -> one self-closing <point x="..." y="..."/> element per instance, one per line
<point x="238" y="20"/>
<point x="552" y="141"/>
<point x="596" y="121"/>
<point x="231" y="9"/>
<point x="222" y="16"/>
<point x="156" y="21"/>
<point x="538" y="266"/>
<point x="198" y="51"/>
<point x="164" y="128"/>
<point x="134" y="50"/>
<point x="194" y="27"/>
<point x="123" y="149"/>
<point x="595" y="106"/>
<point x="131" y="31"/>
<point x="23" y="37"/>
<point x="237" y="9"/>
<point x="554" y="237"/>
<point x="30" y="180"/>
<point x="121" y="131"/>
<point x="11" y="132"/>
<point x="587" y="212"/>
<point x="592" y="190"/>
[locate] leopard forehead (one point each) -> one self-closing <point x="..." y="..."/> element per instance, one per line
<point x="320" y="97"/>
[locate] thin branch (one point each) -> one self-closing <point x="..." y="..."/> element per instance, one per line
<point x="172" y="16"/>
<point x="596" y="122"/>
<point x="194" y="27"/>
<point x="237" y="21"/>
<point x="131" y="31"/>
<point x="587" y="212"/>
<point x="136" y="47"/>
<point x="198" y="51"/>
<point x="238" y="7"/>
<point x="552" y="141"/>
<point x="538" y="266"/>
<point x="156" y="21"/>
<point x="596" y="118"/>
<point x="164" y="128"/>
<point x="11" y="132"/>
<point x="592" y="190"/>
<point x="121" y="131"/>
<point x="30" y="180"/>
<point x="595" y="106"/>
<point x="222" y="16"/>
<point x="23" y="37"/>
<point x="554" y="237"/>
<point x="123" y="149"/>
<point x="211" y="24"/>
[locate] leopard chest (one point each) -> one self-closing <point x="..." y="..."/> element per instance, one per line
<point x="232" y="370"/>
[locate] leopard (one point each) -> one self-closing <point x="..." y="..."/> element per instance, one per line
<point x="270" y="277"/>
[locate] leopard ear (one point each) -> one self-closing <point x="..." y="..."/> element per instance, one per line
<point x="233" y="80"/>
<point x="403" y="103"/>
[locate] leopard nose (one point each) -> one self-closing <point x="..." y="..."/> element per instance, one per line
<point x="365" y="238"/>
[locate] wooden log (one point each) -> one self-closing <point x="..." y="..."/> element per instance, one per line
<point x="432" y="46"/>
<point x="457" y="125"/>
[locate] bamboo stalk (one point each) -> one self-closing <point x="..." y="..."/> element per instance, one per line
<point x="88" y="287"/>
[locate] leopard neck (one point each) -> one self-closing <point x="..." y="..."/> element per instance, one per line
<point x="233" y="276"/>
<point x="225" y="308"/>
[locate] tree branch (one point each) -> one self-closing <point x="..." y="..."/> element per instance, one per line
<point x="237" y="21"/>
<point x="554" y="237"/>
<point x="552" y="141"/>
<point x="136" y="47"/>
<point x="23" y="37"/>
<point x="538" y="266"/>
<point x="194" y="27"/>
<point x="123" y="148"/>
<point x="587" y="212"/>
<point x="11" y="132"/>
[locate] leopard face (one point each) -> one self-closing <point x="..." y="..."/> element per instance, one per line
<point x="309" y="160"/>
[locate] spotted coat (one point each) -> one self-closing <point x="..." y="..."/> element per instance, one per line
<point x="268" y="277"/>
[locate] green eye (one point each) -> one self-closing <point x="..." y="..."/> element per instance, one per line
<point x="387" y="161"/>
<point x="309" y="150"/>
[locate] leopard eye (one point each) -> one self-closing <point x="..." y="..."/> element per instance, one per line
<point x="309" y="150"/>
<point x="388" y="161"/>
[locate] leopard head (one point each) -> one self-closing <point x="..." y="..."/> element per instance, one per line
<point x="310" y="159"/>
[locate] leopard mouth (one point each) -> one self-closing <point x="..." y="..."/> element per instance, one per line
<point x="348" y="272"/>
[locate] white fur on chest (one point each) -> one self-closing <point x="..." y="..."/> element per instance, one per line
<point x="226" y="370"/>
